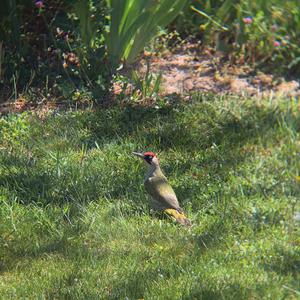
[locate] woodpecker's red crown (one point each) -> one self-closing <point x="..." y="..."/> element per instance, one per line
<point x="150" y="154"/>
<point x="147" y="156"/>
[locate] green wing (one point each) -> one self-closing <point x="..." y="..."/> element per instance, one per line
<point x="161" y="191"/>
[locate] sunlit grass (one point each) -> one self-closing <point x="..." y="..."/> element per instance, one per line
<point x="74" y="216"/>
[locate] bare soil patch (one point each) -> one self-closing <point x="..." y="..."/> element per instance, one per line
<point x="187" y="71"/>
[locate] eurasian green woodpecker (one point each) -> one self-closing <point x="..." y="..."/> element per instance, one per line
<point x="162" y="196"/>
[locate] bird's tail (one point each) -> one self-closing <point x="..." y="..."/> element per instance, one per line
<point x="179" y="217"/>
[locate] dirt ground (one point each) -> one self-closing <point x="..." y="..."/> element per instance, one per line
<point x="187" y="71"/>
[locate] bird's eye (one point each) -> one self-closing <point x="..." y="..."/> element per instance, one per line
<point x="148" y="158"/>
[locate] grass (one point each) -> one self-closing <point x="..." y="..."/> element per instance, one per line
<point x="74" y="213"/>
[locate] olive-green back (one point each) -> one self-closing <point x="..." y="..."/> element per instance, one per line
<point x="161" y="191"/>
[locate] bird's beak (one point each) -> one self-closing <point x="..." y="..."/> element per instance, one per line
<point x="141" y="155"/>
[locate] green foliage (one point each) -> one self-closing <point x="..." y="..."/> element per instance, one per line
<point x="90" y="29"/>
<point x="59" y="45"/>
<point x="148" y="85"/>
<point x="138" y="88"/>
<point x="133" y="23"/>
<point x="11" y="45"/>
<point x="253" y="31"/>
<point x="64" y="43"/>
<point x="9" y="22"/>
<point x="87" y="26"/>
<point x="68" y="46"/>
<point x="74" y="213"/>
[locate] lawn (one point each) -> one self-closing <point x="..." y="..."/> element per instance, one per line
<point x="75" y="221"/>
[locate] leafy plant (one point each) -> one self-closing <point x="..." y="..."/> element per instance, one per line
<point x="147" y="85"/>
<point x="258" y="32"/>
<point x="86" y="25"/>
<point x="133" y="23"/>
<point x="138" y="86"/>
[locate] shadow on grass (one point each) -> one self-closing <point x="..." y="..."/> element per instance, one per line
<point x="186" y="128"/>
<point x="214" y="235"/>
<point x="165" y="129"/>
<point x="192" y="129"/>
<point x="286" y="262"/>
<point x="233" y="291"/>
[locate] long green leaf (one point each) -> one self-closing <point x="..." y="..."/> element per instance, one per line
<point x="133" y="23"/>
<point x="202" y="13"/>
<point x="162" y="16"/>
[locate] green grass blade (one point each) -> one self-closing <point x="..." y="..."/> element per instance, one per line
<point x="202" y="13"/>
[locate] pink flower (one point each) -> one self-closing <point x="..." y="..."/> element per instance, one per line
<point x="39" y="4"/>
<point x="276" y="43"/>
<point x="247" y="20"/>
